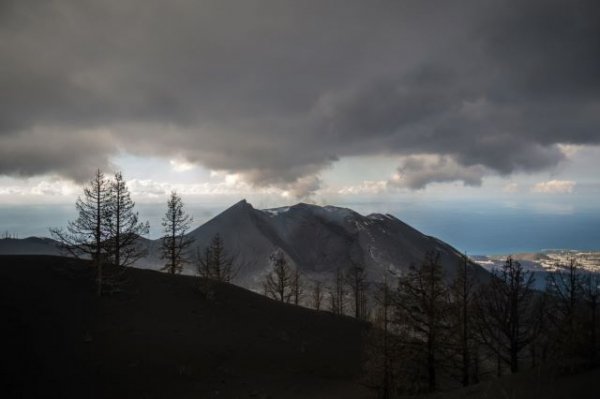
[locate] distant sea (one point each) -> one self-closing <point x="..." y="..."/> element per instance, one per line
<point x="490" y="229"/>
<point x="478" y="229"/>
<point x="508" y="233"/>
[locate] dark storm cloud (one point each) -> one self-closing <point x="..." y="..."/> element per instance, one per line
<point x="418" y="171"/>
<point x="279" y="90"/>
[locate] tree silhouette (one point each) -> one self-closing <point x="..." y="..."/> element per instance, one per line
<point x="462" y="298"/>
<point x="215" y="262"/>
<point x="508" y="320"/>
<point x="337" y="293"/>
<point x="422" y="308"/>
<point x="379" y="345"/>
<point x="564" y="287"/>
<point x="88" y="234"/>
<point x="278" y="283"/>
<point x="356" y="279"/>
<point x="124" y="227"/>
<point x="591" y="300"/>
<point x="317" y="295"/>
<point x="174" y="241"/>
<point x="297" y="286"/>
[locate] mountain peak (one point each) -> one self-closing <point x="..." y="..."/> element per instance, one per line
<point x="238" y="208"/>
<point x="242" y="204"/>
<point x="304" y="205"/>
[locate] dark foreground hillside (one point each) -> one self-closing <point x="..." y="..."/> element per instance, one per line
<point x="539" y="383"/>
<point x="161" y="338"/>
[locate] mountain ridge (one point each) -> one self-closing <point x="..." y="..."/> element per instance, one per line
<point x="320" y="239"/>
<point x="317" y="240"/>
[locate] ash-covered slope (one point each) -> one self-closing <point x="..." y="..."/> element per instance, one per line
<point x="319" y="240"/>
<point x="161" y="337"/>
<point x="247" y="234"/>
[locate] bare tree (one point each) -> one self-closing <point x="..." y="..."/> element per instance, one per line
<point x="564" y="286"/>
<point x="204" y="263"/>
<point x="591" y="299"/>
<point x="508" y="319"/>
<point x="337" y="293"/>
<point x="574" y="297"/>
<point x="174" y="241"/>
<point x="124" y="227"/>
<point x="381" y="339"/>
<point x="215" y="262"/>
<point x="356" y="279"/>
<point x="297" y="286"/>
<point x="87" y="235"/>
<point x="278" y="283"/>
<point x="317" y="294"/>
<point x="422" y="305"/>
<point x="462" y="295"/>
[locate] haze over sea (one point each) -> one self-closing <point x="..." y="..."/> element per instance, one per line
<point x="474" y="227"/>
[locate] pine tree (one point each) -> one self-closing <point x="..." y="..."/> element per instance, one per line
<point x="174" y="241"/>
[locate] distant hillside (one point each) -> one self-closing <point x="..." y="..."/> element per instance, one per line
<point x="28" y="246"/>
<point x="161" y="338"/>
<point x="317" y="240"/>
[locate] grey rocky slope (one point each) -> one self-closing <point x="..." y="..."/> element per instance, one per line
<point x="317" y="240"/>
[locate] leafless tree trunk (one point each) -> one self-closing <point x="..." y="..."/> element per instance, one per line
<point x="591" y="298"/>
<point x="385" y="303"/>
<point x="356" y="278"/>
<point x="379" y="354"/>
<point x="507" y="317"/>
<point x="564" y="288"/>
<point x="317" y="295"/>
<point x="278" y="283"/>
<point x="337" y="293"/>
<point x="461" y="296"/>
<point x="422" y="308"/>
<point x="124" y="226"/>
<point x="87" y="235"/>
<point x="175" y="242"/>
<point x="297" y="286"/>
<point x="215" y="262"/>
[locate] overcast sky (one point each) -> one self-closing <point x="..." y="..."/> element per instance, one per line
<point x="281" y="101"/>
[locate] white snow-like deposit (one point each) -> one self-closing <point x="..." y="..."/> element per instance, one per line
<point x="337" y="211"/>
<point x="339" y="215"/>
<point x="276" y="211"/>
<point x="379" y="216"/>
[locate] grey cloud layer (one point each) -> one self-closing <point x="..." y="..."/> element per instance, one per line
<point x="279" y="90"/>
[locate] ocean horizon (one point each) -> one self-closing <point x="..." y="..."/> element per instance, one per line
<point x="476" y="230"/>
